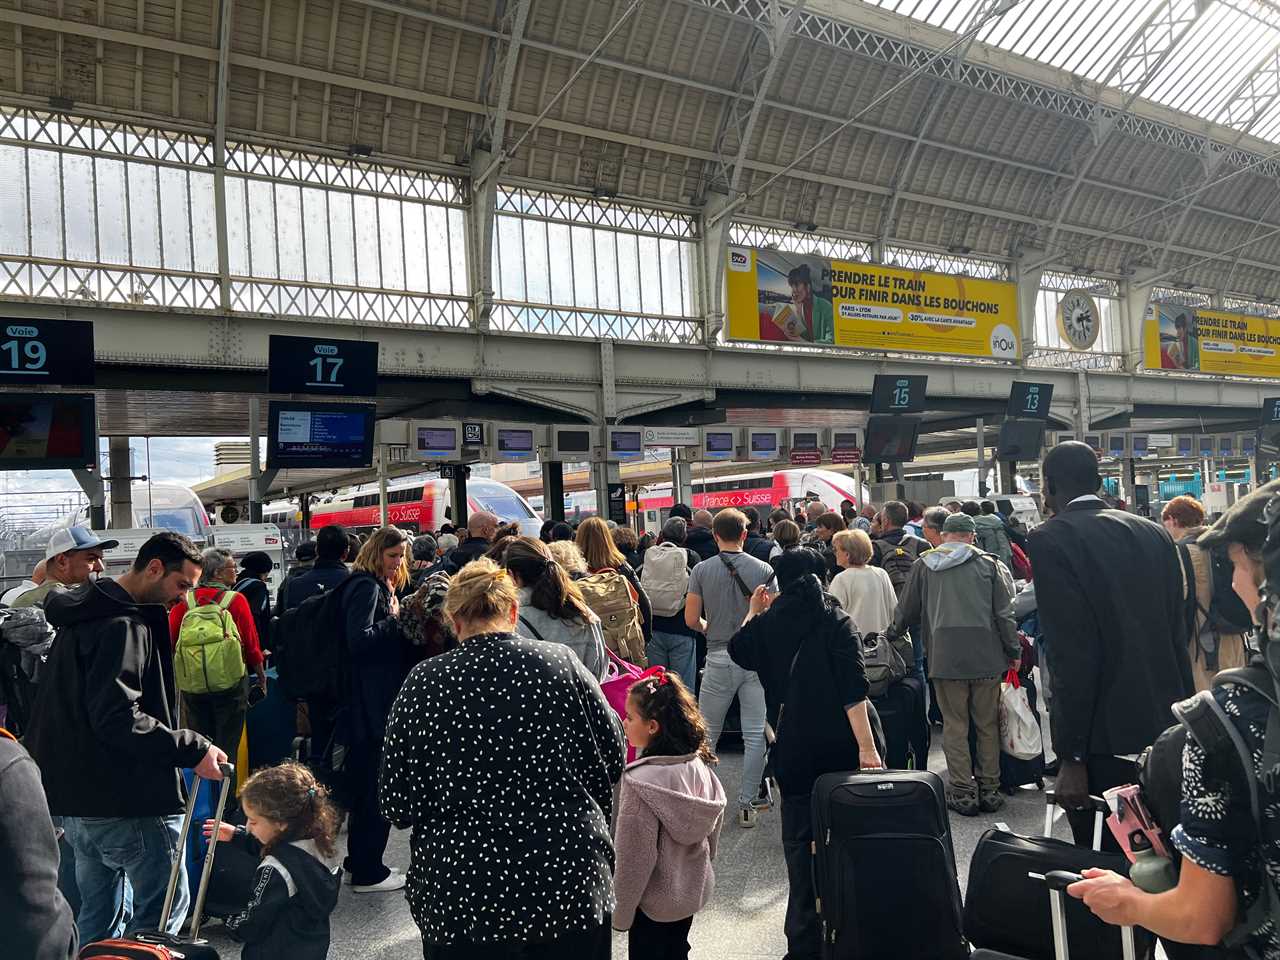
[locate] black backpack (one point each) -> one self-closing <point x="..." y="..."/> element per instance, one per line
<point x="1227" y="613"/>
<point x="310" y="648"/>
<point x="897" y="559"/>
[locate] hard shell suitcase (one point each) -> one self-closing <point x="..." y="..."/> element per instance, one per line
<point x="155" y="945"/>
<point x="885" y="868"/>
<point x="1006" y="910"/>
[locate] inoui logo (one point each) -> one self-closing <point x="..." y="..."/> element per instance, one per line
<point x="16" y="331"/>
<point x="326" y="350"/>
<point x="1003" y="342"/>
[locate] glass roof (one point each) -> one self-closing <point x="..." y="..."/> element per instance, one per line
<point x="1225" y="66"/>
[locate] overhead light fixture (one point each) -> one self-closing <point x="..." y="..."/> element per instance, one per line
<point x="359" y="150"/>
<point x="808" y="226"/>
<point x="960" y="249"/>
<point x="604" y="193"/>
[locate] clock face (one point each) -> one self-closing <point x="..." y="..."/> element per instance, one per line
<point x="1078" y="319"/>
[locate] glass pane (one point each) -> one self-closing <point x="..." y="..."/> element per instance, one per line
<point x="204" y="223"/>
<point x="669" y="258"/>
<point x="439" y="268"/>
<point x="342" y="239"/>
<point x="46" y="204"/>
<point x="366" y="213"/>
<point x="13" y="200"/>
<point x="606" y="269"/>
<point x="262" y="230"/>
<point x="688" y="286"/>
<point x="315" y="233"/>
<point x="417" y="276"/>
<point x="561" y="264"/>
<point x="81" y="221"/>
<point x="144" y="216"/>
<point x="650" y="275"/>
<point x="391" y="241"/>
<point x="237" y="229"/>
<point x="458" y="253"/>
<point x="289" y="232"/>
<point x="173" y="219"/>
<point x="584" y="267"/>
<point x="508" y="271"/>
<point x="628" y="273"/>
<point x="113" y="227"/>
<point x="536" y="276"/>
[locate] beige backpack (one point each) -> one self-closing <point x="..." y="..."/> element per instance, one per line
<point x="612" y="598"/>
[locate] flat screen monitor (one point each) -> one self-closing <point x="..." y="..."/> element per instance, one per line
<point x="1141" y="445"/>
<point x="319" y="435"/>
<point x="1020" y="440"/>
<point x="719" y="444"/>
<point x="47" y="431"/>
<point x="897" y="394"/>
<point x="844" y="440"/>
<point x="626" y="443"/>
<point x="763" y="445"/>
<point x="806" y="440"/>
<point x="891" y="440"/>
<point x="433" y="441"/>
<point x="1248" y="445"/>
<point x="1186" y="446"/>
<point x="1227" y="446"/>
<point x="572" y="443"/>
<point x="1205" y="446"/>
<point x="1117" y="446"/>
<point x="1093" y="441"/>
<point x="514" y="443"/>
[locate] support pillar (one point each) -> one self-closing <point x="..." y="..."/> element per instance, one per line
<point x="120" y="471"/>
<point x="381" y="454"/>
<point x="553" y="490"/>
<point x="603" y="476"/>
<point x="484" y="199"/>
<point x="714" y="249"/>
<point x="1008" y="470"/>
<point x="458" y="496"/>
<point x="1135" y="298"/>
<point x="1082" y="404"/>
<point x="982" y="457"/>
<point x="681" y="478"/>
<point x="91" y="483"/>
<point x="1028" y="279"/>
<point x="1130" y="482"/>
<point x="304" y="510"/>
<point x="259" y="479"/>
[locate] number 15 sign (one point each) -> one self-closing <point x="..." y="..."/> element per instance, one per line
<point x="37" y="352"/>
<point x="336" y="368"/>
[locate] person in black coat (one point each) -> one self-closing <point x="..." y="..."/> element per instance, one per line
<point x="255" y="567"/>
<point x="700" y="539"/>
<point x="378" y="665"/>
<point x="1109" y="592"/>
<point x="809" y="658"/>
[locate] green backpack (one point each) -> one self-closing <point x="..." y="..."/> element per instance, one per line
<point x="208" y="658"/>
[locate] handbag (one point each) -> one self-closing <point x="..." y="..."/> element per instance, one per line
<point x="618" y="678"/>
<point x="1020" y="735"/>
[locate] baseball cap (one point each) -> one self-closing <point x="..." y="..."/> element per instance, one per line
<point x="69" y="539"/>
<point x="959" y="523"/>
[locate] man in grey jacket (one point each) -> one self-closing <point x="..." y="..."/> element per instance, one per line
<point x="963" y="600"/>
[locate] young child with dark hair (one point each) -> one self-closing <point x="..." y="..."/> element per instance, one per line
<point x="291" y="823"/>
<point x="669" y="819"/>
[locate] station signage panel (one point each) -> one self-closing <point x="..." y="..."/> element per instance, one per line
<point x="47" y="431"/>
<point x="618" y="503"/>
<point x="672" y="436"/>
<point x="335" y="368"/>
<point x="719" y="443"/>
<point x="1030" y="401"/>
<point x="805" y="447"/>
<point x="319" y="435"/>
<point x="844" y="446"/>
<point x="893" y="394"/>
<point x="435" y="440"/>
<point x="514" y="443"/>
<point x="573" y="444"/>
<point x="472" y="434"/>
<point x="38" y="353"/>
<point x="763" y="444"/>
<point x="775" y="296"/>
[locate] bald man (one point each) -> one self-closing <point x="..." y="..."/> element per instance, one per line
<point x="37" y="578"/>
<point x="481" y="527"/>
<point x="700" y="539"/>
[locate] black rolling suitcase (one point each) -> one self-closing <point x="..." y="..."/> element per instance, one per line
<point x="154" y="945"/>
<point x="885" y="869"/>
<point x="1006" y="910"/>
<point x="906" y="731"/>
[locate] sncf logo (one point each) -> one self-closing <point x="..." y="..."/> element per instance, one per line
<point x="739" y="260"/>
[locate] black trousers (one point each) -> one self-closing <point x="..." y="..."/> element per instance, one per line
<point x="593" y="944"/>
<point x="802" y="924"/>
<point x="654" y="940"/>
<point x="1105" y="772"/>
<point x="368" y="830"/>
<point x="219" y="716"/>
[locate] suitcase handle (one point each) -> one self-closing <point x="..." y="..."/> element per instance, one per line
<point x="228" y="775"/>
<point x="1058" y="881"/>
<point x="1100" y="810"/>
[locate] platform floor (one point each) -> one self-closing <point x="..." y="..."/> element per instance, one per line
<point x="742" y="922"/>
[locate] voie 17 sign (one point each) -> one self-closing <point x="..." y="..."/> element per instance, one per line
<point x="38" y="352"/>
<point x="336" y="368"/>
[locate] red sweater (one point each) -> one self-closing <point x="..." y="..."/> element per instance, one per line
<point x="241" y="615"/>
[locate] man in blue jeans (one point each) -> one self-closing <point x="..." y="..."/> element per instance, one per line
<point x="665" y="578"/>
<point x="105" y="737"/>
<point x="719" y="598"/>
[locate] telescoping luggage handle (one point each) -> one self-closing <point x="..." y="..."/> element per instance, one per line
<point x="228" y="775"/>
<point x="1058" y="881"/>
<point x="1100" y="809"/>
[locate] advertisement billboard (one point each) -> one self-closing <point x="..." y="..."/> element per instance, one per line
<point x="1179" y="337"/>
<point x="773" y="296"/>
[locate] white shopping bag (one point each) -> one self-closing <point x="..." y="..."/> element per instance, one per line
<point x="1019" y="727"/>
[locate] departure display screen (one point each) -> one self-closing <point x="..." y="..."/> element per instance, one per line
<point x="890" y="440"/>
<point x="1020" y="440"/>
<point x="515" y="441"/>
<point x="719" y="443"/>
<point x="804" y="441"/>
<point x="764" y="443"/>
<point x="573" y="441"/>
<point x="47" y="431"/>
<point x="436" y="441"/>
<point x="319" y="435"/>
<point x="625" y="441"/>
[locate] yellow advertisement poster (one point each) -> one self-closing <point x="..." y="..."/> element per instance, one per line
<point x="773" y="296"/>
<point x="1178" y="337"/>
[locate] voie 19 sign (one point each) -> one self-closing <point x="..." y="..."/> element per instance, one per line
<point x="46" y="351"/>
<point x="338" y="368"/>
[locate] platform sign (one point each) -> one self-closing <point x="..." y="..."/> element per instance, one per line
<point x="894" y="394"/>
<point x="1029" y="401"/>
<point x="319" y="435"/>
<point x="844" y="447"/>
<point x="618" y="503"/>
<point x="336" y="368"/>
<point x="46" y="352"/>
<point x="776" y="296"/>
<point x="672" y="437"/>
<point x="806" y="447"/>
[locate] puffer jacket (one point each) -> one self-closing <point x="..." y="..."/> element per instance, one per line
<point x="582" y="637"/>
<point x="668" y="829"/>
<point x="994" y="538"/>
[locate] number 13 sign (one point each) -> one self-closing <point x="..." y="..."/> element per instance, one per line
<point x="38" y="352"/>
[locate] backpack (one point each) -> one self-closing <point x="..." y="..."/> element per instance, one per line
<point x="1227" y="613"/>
<point x="896" y="559"/>
<point x="665" y="578"/>
<point x="993" y="538"/>
<point x="885" y="661"/>
<point x="207" y="657"/>
<point x="310" y="648"/>
<point x="611" y="598"/>
<point x="1021" y="562"/>
<point x="1228" y="758"/>
<point x="25" y="641"/>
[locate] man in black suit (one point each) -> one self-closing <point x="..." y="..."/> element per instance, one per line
<point x="1109" y="591"/>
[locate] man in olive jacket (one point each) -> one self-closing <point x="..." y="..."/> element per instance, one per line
<point x="963" y="600"/>
<point x="104" y="733"/>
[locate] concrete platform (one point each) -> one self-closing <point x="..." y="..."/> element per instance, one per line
<point x="743" y="921"/>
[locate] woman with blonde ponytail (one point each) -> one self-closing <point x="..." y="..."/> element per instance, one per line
<point x="501" y="756"/>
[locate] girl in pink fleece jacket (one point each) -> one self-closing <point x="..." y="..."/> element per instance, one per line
<point x="669" y="819"/>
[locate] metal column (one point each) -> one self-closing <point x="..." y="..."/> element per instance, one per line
<point x="603" y="477"/>
<point x="982" y="458"/>
<point x="259" y="479"/>
<point x="681" y="477"/>
<point x="458" y="496"/>
<point x="553" y="490"/>
<point x="120" y="468"/>
<point x="381" y="454"/>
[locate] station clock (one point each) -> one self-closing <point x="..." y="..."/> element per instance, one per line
<point x="1079" y="320"/>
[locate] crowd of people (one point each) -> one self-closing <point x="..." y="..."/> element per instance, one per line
<point x="543" y="713"/>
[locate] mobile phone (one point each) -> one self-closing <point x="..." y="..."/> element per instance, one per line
<point x="256" y="694"/>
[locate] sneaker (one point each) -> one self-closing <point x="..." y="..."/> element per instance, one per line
<point x="747" y="817"/>
<point x="966" y="806"/>
<point x="394" y="881"/>
<point x="991" y="802"/>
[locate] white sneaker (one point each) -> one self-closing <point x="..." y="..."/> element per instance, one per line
<point x="747" y="817"/>
<point x="394" y="881"/>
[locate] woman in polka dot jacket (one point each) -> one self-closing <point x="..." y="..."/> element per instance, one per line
<point x="501" y="755"/>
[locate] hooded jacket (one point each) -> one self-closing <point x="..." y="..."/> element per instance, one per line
<point x="104" y="731"/>
<point x="993" y="535"/>
<point x="294" y="893"/>
<point x="702" y="542"/>
<point x="582" y="637"/>
<point x="668" y="828"/>
<point x="963" y="600"/>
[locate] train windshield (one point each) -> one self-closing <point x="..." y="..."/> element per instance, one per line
<point x="170" y="508"/>
<point x="502" y="503"/>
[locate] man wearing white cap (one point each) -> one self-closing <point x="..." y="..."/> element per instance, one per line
<point x="73" y="556"/>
